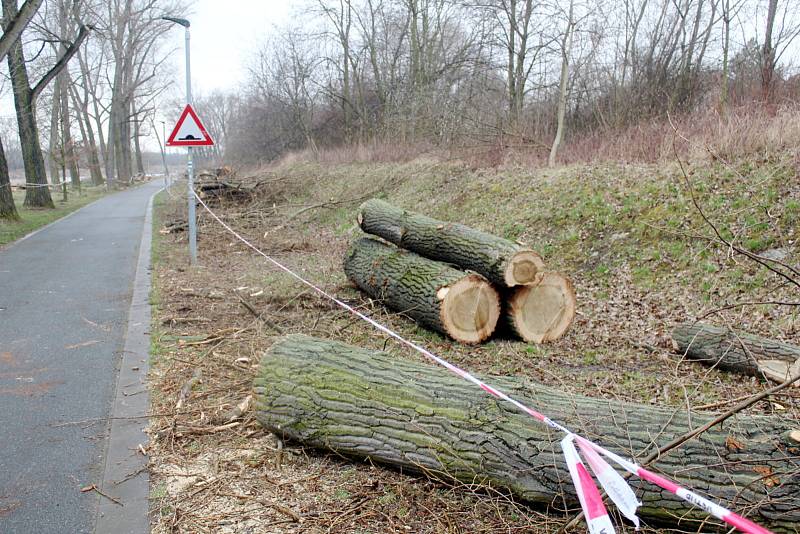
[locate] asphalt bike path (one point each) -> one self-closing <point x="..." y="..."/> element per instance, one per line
<point x="65" y="297"/>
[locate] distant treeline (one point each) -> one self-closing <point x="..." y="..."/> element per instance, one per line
<point x="528" y="73"/>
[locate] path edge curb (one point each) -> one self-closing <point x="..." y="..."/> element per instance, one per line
<point x="125" y="474"/>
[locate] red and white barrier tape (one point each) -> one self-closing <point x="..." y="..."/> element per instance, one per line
<point x="614" y="485"/>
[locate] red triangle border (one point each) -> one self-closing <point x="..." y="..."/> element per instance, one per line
<point x="206" y="141"/>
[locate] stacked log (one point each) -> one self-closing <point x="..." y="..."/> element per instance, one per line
<point x="503" y="262"/>
<point x="462" y="305"/>
<point x="368" y="404"/>
<point x="738" y="352"/>
<point x="539" y="305"/>
<point x="543" y="310"/>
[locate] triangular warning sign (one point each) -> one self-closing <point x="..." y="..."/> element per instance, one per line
<point x="189" y="131"/>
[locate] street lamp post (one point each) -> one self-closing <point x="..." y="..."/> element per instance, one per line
<point x="189" y="163"/>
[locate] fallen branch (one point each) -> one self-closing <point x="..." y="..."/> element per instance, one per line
<point x="94" y="487"/>
<point x="738" y="352"/>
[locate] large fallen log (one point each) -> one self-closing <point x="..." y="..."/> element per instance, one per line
<point x="543" y="310"/>
<point x="464" y="306"/>
<point x="420" y="418"/>
<point x="503" y="262"/>
<point x="738" y="352"/>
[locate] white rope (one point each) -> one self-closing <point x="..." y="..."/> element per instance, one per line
<point x="596" y="524"/>
<point x="33" y="185"/>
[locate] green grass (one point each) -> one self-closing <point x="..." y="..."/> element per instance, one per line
<point x="34" y="218"/>
<point x="595" y="221"/>
<point x="157" y="348"/>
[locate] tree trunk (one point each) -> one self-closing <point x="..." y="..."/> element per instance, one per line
<point x="104" y="152"/>
<point x="522" y="52"/>
<point x="566" y="45"/>
<point x="68" y="142"/>
<point x="16" y="24"/>
<point x="501" y="261"/>
<point x="369" y="404"/>
<point x="726" y="40"/>
<point x="8" y="211"/>
<point x="109" y="157"/>
<point x="85" y="125"/>
<point x="464" y="306"/>
<point x="136" y="148"/>
<point x="768" y="53"/>
<point x="53" y="149"/>
<point x="94" y="160"/>
<point x="122" y="143"/>
<point x="737" y="351"/>
<point x="542" y="311"/>
<point x="36" y="195"/>
<point x="511" y="12"/>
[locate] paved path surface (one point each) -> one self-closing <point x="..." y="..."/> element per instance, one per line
<point x="65" y="294"/>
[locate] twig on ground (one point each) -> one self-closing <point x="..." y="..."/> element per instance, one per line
<point x="94" y="487"/>
<point x="249" y="307"/>
<point x="187" y="388"/>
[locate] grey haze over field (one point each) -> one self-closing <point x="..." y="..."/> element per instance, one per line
<point x="224" y="36"/>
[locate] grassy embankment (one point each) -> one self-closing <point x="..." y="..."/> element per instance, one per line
<point x="34" y="218"/>
<point x="605" y="225"/>
<point x="640" y="255"/>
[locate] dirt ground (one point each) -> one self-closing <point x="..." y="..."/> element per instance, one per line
<point x="214" y="469"/>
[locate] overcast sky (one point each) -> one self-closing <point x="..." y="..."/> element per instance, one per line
<point x="223" y="35"/>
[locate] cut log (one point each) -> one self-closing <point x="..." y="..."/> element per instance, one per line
<point x="503" y="262"/>
<point x="737" y="351"/>
<point x="420" y="418"/>
<point x="464" y="306"/>
<point x="541" y="311"/>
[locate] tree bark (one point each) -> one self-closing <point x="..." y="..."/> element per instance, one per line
<point x="8" y="210"/>
<point x="137" y="150"/>
<point x="726" y="40"/>
<point x="16" y="25"/>
<point x="464" y="306"/>
<point x="37" y="194"/>
<point x="738" y="352"/>
<point x="501" y="261"/>
<point x="566" y="46"/>
<point x="768" y="53"/>
<point x="53" y="148"/>
<point x="85" y="126"/>
<point x="542" y="311"/>
<point x="68" y="142"/>
<point x="368" y="404"/>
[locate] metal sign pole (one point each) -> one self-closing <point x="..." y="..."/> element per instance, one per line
<point x="190" y="165"/>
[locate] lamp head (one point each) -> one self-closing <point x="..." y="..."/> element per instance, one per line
<point x="176" y="20"/>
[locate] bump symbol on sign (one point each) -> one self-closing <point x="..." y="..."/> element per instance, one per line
<point x="189" y="131"/>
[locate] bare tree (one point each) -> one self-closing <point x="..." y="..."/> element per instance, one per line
<point x="8" y="210"/>
<point x="566" y="46"/>
<point x="133" y="29"/>
<point x="13" y="27"/>
<point x="17" y="24"/>
<point x="25" y="95"/>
